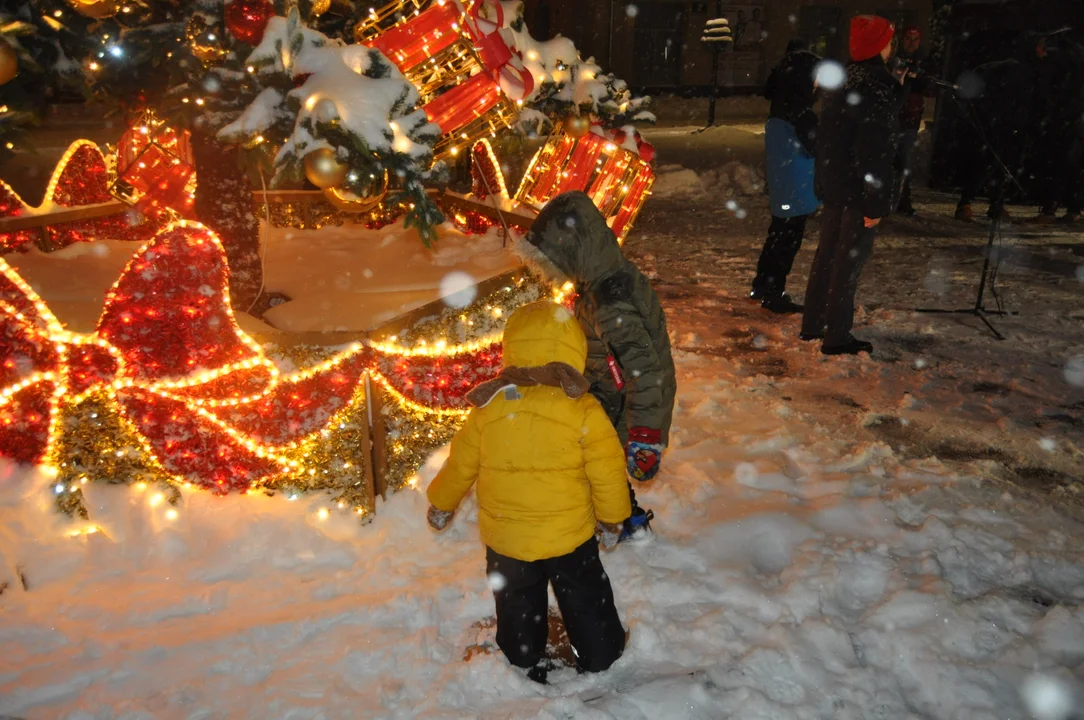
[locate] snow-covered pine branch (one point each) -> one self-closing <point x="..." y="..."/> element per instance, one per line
<point x="322" y="93"/>
<point x="566" y="84"/>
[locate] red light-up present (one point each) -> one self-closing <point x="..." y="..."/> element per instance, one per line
<point x="464" y="69"/>
<point x="600" y="164"/>
<point x="156" y="167"/>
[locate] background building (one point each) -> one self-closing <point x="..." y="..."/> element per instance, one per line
<point x="656" y="45"/>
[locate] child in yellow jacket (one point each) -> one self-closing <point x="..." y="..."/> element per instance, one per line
<point x="550" y="472"/>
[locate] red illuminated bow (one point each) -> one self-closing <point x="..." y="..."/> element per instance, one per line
<point x="485" y="25"/>
<point x="205" y="402"/>
<point x="644" y="149"/>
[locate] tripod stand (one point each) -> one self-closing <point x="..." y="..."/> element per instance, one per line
<point x="979" y="310"/>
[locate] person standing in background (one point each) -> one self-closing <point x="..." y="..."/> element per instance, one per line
<point x="1061" y="135"/>
<point x="916" y="87"/>
<point x="856" y="148"/>
<point x="789" y="137"/>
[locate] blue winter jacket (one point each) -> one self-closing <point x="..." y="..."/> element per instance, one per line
<point x="790" y="171"/>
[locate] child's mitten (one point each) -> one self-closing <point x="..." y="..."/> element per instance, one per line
<point x="643" y="453"/>
<point x="608" y="535"/>
<point x="438" y="519"/>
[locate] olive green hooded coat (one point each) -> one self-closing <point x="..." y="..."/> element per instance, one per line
<point x="618" y="311"/>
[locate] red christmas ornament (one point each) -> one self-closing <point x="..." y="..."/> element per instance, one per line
<point x="247" y="19"/>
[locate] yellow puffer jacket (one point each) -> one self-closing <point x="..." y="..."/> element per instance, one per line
<point x="547" y="466"/>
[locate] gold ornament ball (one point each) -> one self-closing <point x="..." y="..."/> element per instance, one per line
<point x="198" y="33"/>
<point x="576" y="126"/>
<point x="97" y="9"/>
<point x="318" y="8"/>
<point x="324" y="170"/>
<point x="9" y="63"/>
<point x="349" y="202"/>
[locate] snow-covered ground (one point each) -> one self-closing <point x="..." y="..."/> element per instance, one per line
<point x="855" y="538"/>
<point x="797" y="574"/>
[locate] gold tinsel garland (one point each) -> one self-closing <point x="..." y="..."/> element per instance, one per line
<point x="97" y="445"/>
<point x="411" y="436"/>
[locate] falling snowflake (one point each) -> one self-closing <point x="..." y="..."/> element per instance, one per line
<point x="632" y="11"/>
<point x="830" y="75"/>
<point x="458" y="289"/>
<point x="1047" y="698"/>
<point x="496" y="581"/>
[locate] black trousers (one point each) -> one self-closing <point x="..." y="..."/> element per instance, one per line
<point x="777" y="258"/>
<point x="845" y="245"/>
<point x="584" y="597"/>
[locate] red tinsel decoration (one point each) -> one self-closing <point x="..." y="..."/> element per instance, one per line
<point x="299" y="407"/>
<point x="484" y="177"/>
<point x="83" y="180"/>
<point x="441" y="381"/>
<point x="11" y="205"/>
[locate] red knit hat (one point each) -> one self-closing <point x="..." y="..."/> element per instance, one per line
<point x="870" y="35"/>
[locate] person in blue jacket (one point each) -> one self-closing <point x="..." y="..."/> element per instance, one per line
<point x="789" y="138"/>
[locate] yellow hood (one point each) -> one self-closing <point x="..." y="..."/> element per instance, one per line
<point x="541" y="333"/>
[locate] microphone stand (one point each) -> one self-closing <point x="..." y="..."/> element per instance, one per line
<point x="979" y="310"/>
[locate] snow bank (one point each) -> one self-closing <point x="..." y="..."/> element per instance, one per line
<point x="788" y="581"/>
<point x="731" y="180"/>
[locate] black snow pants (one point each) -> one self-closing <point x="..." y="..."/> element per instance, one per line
<point x="845" y="245"/>
<point x="777" y="258"/>
<point x="584" y="597"/>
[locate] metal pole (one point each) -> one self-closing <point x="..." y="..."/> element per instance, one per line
<point x="714" y="83"/>
<point x="714" y="69"/>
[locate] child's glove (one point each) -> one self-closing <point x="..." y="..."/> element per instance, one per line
<point x="643" y="453"/>
<point x="438" y="519"/>
<point x="608" y="535"/>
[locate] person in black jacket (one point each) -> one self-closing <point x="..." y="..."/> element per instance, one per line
<point x="1061" y="125"/>
<point x="789" y="138"/>
<point x="856" y="148"/>
<point x="916" y="87"/>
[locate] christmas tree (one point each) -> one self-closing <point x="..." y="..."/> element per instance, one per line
<point x="39" y="43"/>
<point x="338" y="95"/>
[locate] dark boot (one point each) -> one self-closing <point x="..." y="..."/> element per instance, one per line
<point x="853" y="346"/>
<point x="781" y="304"/>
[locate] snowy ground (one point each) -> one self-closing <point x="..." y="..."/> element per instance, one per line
<point x="798" y="574"/>
<point x="859" y="538"/>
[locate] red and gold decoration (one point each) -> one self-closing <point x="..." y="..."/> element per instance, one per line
<point x="97" y="9"/>
<point x="198" y="399"/>
<point x="468" y="76"/>
<point x="9" y="63"/>
<point x="81" y="178"/>
<point x="11" y="205"/>
<point x="169" y="390"/>
<point x="156" y="168"/>
<point x="247" y="19"/>
<point x="487" y="179"/>
<point x="618" y="180"/>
